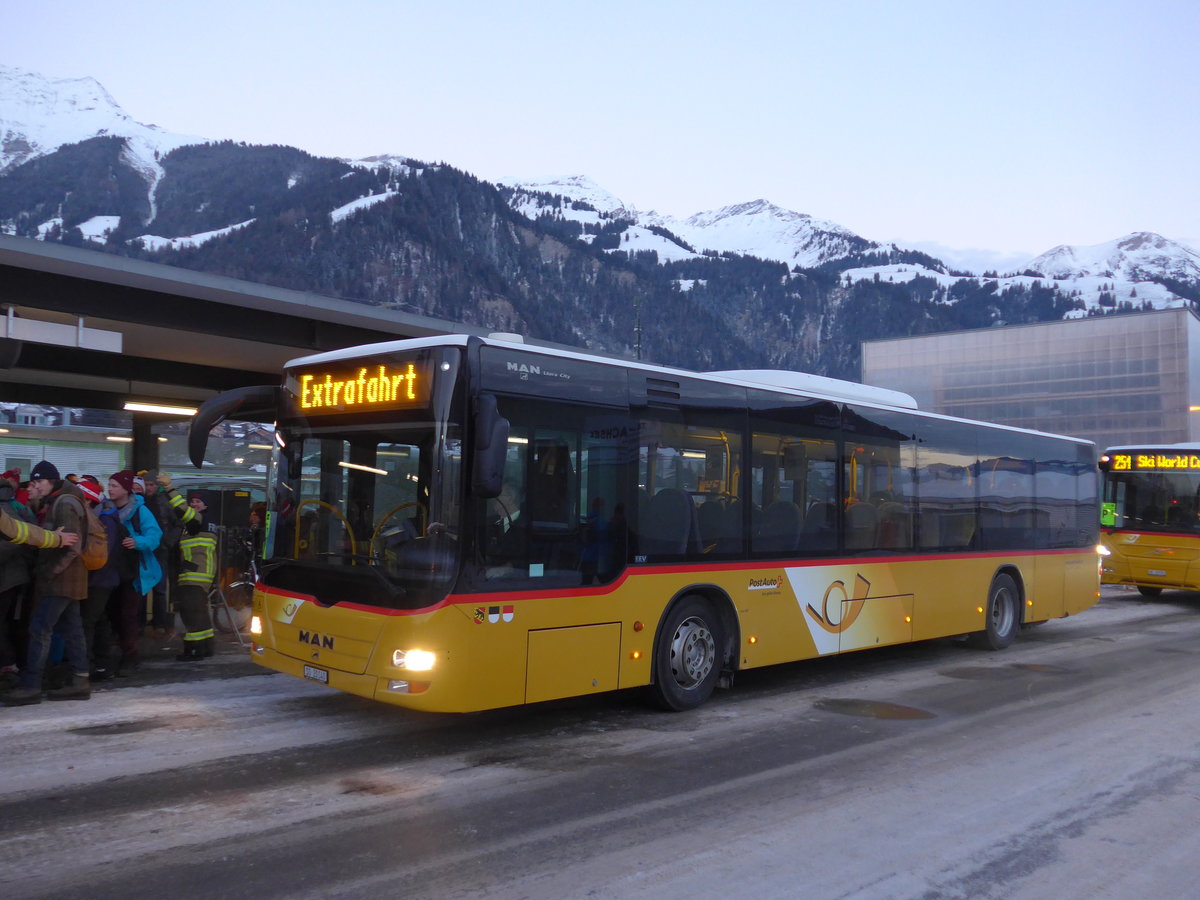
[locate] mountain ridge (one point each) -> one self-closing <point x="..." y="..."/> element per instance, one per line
<point x="750" y="285"/>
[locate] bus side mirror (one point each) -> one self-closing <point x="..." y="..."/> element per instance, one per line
<point x="491" y="448"/>
<point x="257" y="401"/>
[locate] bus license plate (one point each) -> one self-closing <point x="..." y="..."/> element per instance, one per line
<point x="314" y="674"/>
<point x="1158" y="573"/>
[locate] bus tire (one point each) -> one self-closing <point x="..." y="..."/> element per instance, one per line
<point x="1151" y="592"/>
<point x="1002" y="614"/>
<point x="687" y="655"/>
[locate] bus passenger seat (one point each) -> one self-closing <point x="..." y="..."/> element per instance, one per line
<point x="862" y="522"/>
<point x="711" y="519"/>
<point x="819" y="526"/>
<point x="670" y="524"/>
<point x="895" y="526"/>
<point x="780" y="529"/>
<point x="731" y="531"/>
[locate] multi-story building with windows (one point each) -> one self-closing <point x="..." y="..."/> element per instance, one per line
<point x="1123" y="379"/>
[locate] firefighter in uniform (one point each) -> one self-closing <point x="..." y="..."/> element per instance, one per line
<point x="197" y="569"/>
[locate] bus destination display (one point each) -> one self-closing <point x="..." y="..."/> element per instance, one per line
<point x="380" y="386"/>
<point x="1150" y="461"/>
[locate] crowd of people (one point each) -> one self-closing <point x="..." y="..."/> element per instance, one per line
<point x="63" y="594"/>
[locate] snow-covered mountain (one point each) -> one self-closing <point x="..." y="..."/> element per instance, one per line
<point x="1131" y="258"/>
<point x="40" y="114"/>
<point x="1128" y="269"/>
<point x="1120" y="271"/>
<point x="758" y="228"/>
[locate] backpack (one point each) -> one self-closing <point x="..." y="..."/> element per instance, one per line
<point x="93" y="547"/>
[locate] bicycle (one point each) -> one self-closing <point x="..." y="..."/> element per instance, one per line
<point x="233" y="605"/>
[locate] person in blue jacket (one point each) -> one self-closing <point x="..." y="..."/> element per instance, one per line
<point x="137" y="567"/>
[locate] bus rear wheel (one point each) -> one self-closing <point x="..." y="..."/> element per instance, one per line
<point x="1002" y="614"/>
<point x="687" y="656"/>
<point x="1151" y="592"/>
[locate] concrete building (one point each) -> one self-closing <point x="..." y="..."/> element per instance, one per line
<point x="1124" y="379"/>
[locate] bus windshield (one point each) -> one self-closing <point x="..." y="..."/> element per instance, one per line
<point x="375" y="505"/>
<point x="1153" y="501"/>
<point x="366" y="486"/>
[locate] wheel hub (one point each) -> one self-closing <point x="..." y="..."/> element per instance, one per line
<point x="693" y="652"/>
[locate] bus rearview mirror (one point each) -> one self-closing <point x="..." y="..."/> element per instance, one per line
<point x="491" y="448"/>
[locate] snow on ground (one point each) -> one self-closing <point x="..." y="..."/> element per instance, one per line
<point x="98" y="228"/>
<point x="354" y="206"/>
<point x="1087" y="288"/>
<point x="48" y="744"/>
<point x="154" y="242"/>
<point x="636" y="238"/>
<point x="897" y="273"/>
<point x="47" y="226"/>
<point x="574" y="187"/>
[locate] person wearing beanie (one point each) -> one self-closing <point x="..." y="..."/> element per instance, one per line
<point x="44" y="471"/>
<point x="164" y="503"/>
<point x="91" y="491"/>
<point x="137" y="569"/>
<point x="60" y="582"/>
<point x="97" y="630"/>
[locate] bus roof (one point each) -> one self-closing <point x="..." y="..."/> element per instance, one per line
<point x="786" y="382"/>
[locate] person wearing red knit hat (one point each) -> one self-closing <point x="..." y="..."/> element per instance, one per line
<point x="97" y="630"/>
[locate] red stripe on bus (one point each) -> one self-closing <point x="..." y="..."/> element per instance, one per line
<point x="493" y="597"/>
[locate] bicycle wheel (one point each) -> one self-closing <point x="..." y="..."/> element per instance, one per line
<point x="228" y="618"/>
<point x="240" y="595"/>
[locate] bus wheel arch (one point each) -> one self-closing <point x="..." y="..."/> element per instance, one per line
<point x="695" y="642"/>
<point x="1003" y="610"/>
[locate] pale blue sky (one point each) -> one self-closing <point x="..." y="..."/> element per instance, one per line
<point x="1011" y="126"/>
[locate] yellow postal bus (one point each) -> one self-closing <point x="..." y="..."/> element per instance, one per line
<point x="459" y="523"/>
<point x="1150" y="517"/>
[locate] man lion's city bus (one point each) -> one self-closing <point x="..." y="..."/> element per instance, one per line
<point x="1150" y="517"/>
<point x="459" y="523"/>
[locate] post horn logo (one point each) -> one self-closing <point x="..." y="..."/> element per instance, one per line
<point x="846" y="609"/>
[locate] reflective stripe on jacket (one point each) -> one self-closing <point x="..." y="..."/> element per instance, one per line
<point x="199" y="552"/>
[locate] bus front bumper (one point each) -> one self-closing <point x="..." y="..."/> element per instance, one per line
<point x="372" y="687"/>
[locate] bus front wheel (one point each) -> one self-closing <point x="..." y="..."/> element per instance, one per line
<point x="1002" y="614"/>
<point x="687" y="657"/>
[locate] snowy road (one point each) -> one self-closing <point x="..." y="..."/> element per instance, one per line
<point x="1066" y="766"/>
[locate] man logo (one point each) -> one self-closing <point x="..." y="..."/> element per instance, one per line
<point x="317" y="640"/>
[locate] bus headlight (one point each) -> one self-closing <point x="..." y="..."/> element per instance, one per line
<point x="1102" y="550"/>
<point x="255" y="625"/>
<point x="413" y="660"/>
